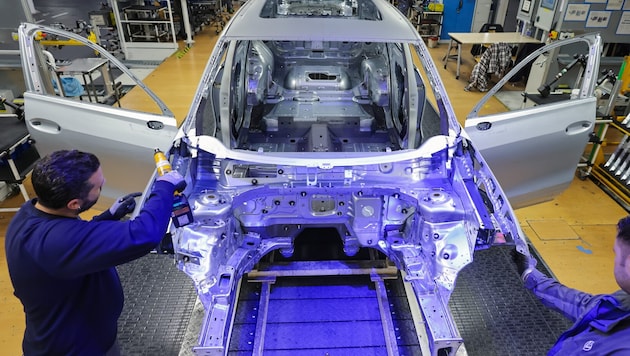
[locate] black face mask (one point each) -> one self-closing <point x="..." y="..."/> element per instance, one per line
<point x="86" y="205"/>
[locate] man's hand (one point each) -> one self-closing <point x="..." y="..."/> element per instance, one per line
<point x="175" y="179"/>
<point x="524" y="264"/>
<point x="124" y="205"/>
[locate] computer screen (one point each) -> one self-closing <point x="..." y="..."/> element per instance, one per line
<point x="548" y="4"/>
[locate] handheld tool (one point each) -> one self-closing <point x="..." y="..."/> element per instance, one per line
<point x="181" y="213"/>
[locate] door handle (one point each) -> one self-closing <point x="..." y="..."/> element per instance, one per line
<point x="155" y="125"/>
<point x="577" y="128"/>
<point x="483" y="126"/>
<point x="45" y="125"/>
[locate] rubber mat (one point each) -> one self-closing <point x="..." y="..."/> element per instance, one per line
<point x="159" y="299"/>
<point x="494" y="313"/>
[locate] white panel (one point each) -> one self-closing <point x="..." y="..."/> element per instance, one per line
<point x="545" y="14"/>
<point x="481" y="15"/>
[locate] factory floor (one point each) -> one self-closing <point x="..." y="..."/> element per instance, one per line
<point x="573" y="233"/>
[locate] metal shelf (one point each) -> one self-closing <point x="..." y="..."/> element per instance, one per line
<point x="429" y="23"/>
<point x="147" y="23"/>
<point x="146" y="32"/>
<point x="612" y="170"/>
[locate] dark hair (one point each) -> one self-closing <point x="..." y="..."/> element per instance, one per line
<point x="62" y="176"/>
<point x="623" y="230"/>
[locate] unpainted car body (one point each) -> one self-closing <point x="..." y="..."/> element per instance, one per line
<point x="325" y="114"/>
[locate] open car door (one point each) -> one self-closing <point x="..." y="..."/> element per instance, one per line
<point x="534" y="149"/>
<point x="123" y="140"/>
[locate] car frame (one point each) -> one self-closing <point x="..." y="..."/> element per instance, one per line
<point x="383" y="159"/>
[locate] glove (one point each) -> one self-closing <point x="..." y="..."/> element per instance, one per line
<point x="124" y="205"/>
<point x="175" y="179"/>
<point x="524" y="264"/>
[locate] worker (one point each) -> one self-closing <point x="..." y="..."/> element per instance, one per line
<point x="601" y="322"/>
<point x="63" y="267"/>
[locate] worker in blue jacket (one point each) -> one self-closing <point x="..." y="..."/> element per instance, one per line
<point x="62" y="267"/>
<point x="601" y="322"/>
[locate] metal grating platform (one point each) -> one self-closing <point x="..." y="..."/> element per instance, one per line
<point x="159" y="299"/>
<point x="494" y="313"/>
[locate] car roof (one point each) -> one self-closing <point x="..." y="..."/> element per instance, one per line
<point x="249" y="23"/>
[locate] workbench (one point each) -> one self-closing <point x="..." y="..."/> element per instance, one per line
<point x="86" y="68"/>
<point x="462" y="38"/>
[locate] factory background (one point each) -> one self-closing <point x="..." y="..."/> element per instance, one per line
<point x="572" y="235"/>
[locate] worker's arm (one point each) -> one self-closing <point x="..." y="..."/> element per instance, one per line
<point x="569" y="302"/>
<point x="74" y="247"/>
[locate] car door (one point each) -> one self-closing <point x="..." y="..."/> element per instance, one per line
<point x="124" y="140"/>
<point x="534" y="150"/>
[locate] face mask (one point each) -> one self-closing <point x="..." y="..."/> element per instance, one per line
<point x="86" y="206"/>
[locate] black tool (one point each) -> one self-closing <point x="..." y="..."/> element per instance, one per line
<point x="545" y="89"/>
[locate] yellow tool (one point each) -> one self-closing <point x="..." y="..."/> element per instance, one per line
<point x="161" y="163"/>
<point x="181" y="213"/>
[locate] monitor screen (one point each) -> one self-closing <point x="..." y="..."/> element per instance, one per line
<point x="548" y="4"/>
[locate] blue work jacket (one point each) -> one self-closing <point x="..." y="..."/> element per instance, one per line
<point x="62" y="270"/>
<point x="601" y="322"/>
